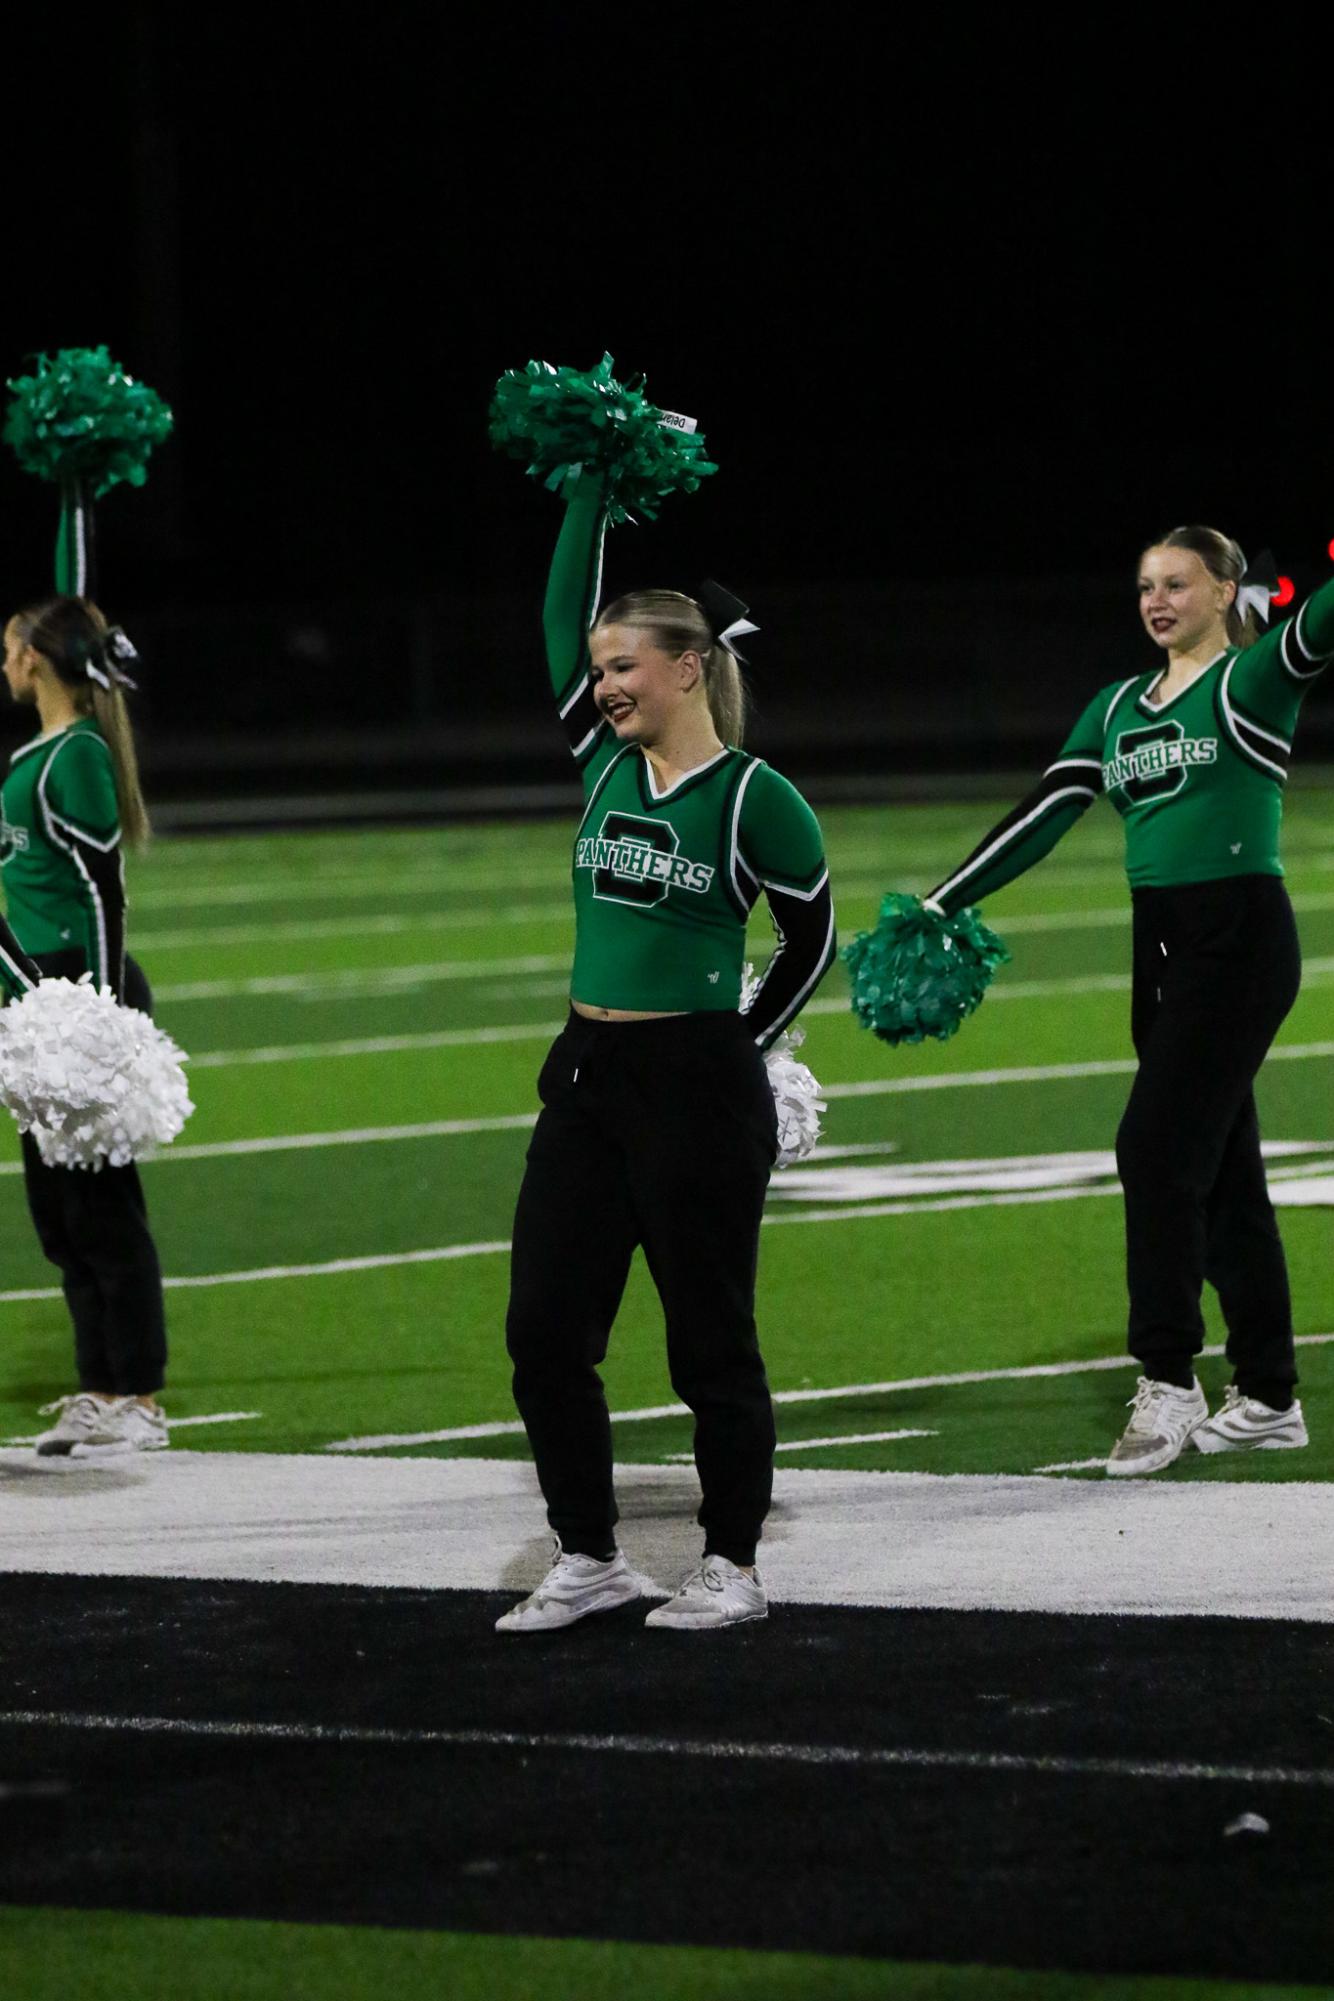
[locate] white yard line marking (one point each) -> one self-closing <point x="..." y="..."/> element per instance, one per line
<point x="335" y="1268"/>
<point x="809" y="1444"/>
<point x="1039" y="1073"/>
<point x="511" y="1428"/>
<point x="337" y="984"/>
<point x="468" y="1038"/>
<point x="362" y="887"/>
<point x="215" y="1417"/>
<point x="875" y="1087"/>
<point x="360" y="983"/>
<point x="225" y="1149"/>
<point x="1289" y="1188"/>
<point x="834" y="1179"/>
<point x="387" y="924"/>
<point x="485" y="917"/>
<point x="1086" y="920"/>
<point x="1072" y="1465"/>
<point x="639" y="1745"/>
<point x="377" y="1045"/>
<point x="353" y="1136"/>
<point x="852" y="1438"/>
<point x="1283" y="1191"/>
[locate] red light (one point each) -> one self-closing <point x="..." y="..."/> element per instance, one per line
<point x="1285" y="593"/>
<point x="1331" y="551"/>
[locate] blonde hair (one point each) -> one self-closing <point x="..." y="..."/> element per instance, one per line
<point x="68" y="633"/>
<point x="1223" y="559"/>
<point x="678" y="625"/>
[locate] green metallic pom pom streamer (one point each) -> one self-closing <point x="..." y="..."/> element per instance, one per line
<point x="919" y="972"/>
<point x="81" y="422"/>
<point x="563" y="421"/>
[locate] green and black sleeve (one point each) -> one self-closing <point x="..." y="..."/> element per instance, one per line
<point x="1066" y="789"/>
<point x="18" y="974"/>
<point x="574" y="586"/>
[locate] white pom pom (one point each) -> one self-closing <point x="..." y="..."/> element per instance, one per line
<point x="796" y="1091"/>
<point x="797" y="1096"/>
<point x="93" y="1082"/>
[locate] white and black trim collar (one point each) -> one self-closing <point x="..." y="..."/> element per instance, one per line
<point x="1161" y="708"/>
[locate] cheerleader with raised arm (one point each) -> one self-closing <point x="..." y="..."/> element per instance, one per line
<point x="70" y="798"/>
<point x="658" y="1124"/>
<point x="1193" y="755"/>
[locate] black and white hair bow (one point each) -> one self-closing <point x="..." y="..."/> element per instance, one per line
<point x="726" y="614"/>
<point x="104" y="664"/>
<point x="1258" y="585"/>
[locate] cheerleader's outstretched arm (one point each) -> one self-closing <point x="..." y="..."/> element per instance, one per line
<point x="1308" y="639"/>
<point x="1066" y="789"/>
<point x="1268" y="682"/>
<point x="574" y="586"/>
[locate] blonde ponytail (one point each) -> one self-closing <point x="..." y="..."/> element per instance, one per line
<point x="112" y="716"/>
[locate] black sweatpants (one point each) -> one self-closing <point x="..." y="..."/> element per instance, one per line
<point x="94" y="1228"/>
<point x="1216" y="968"/>
<point x="660" y="1134"/>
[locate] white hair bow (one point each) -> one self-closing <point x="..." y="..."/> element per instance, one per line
<point x="1259" y="582"/>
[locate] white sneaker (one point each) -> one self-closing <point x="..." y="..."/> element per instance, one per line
<point x="90" y="1426"/>
<point x="80" y="1419"/>
<point x="137" y="1427"/>
<point x="1241" y="1422"/>
<point x="717" y="1594"/>
<point x="572" y="1588"/>
<point x="1162" y="1420"/>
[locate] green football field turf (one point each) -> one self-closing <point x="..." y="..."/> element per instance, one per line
<point x="125" y="1958"/>
<point x="367" y="1012"/>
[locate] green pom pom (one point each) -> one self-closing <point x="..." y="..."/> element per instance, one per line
<point x="80" y="417"/>
<point x="563" y="422"/>
<point x="918" y="973"/>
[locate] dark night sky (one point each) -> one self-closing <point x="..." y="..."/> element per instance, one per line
<point x="944" y="305"/>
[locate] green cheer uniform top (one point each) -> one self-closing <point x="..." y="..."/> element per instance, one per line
<point x="664" y="882"/>
<point x="1198" y="780"/>
<point x="60" y="851"/>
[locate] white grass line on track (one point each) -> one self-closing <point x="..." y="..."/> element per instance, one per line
<point x="636" y="1744"/>
<point x="1039" y="1073"/>
<point x="476" y="916"/>
<point x="368" y="887"/>
<point x="226" y="1149"/>
<point x="342" y="981"/>
<point x="470" y="1038"/>
<point x="877" y="1087"/>
<point x="387" y="924"/>
<point x="362" y="982"/>
<point x="335" y="1268"/>
<point x="377" y="1045"/>
<point x="1032" y="1371"/>
<point x="941" y="1205"/>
